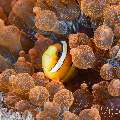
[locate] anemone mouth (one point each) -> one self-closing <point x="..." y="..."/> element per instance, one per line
<point x="62" y="58"/>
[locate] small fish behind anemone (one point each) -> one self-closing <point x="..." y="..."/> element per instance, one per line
<point x="57" y="61"/>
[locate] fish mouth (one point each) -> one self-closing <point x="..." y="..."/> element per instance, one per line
<point x="62" y="57"/>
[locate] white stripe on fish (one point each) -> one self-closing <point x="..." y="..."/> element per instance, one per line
<point x="62" y="58"/>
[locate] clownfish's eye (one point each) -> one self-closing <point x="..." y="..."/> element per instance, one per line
<point x="59" y="54"/>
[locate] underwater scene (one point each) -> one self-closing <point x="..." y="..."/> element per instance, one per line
<point x="59" y="59"/>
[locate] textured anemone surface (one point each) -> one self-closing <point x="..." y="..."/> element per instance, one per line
<point x="79" y="77"/>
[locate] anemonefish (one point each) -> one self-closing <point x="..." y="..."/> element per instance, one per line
<point x="57" y="61"/>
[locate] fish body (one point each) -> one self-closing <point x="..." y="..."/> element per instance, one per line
<point x="54" y="66"/>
